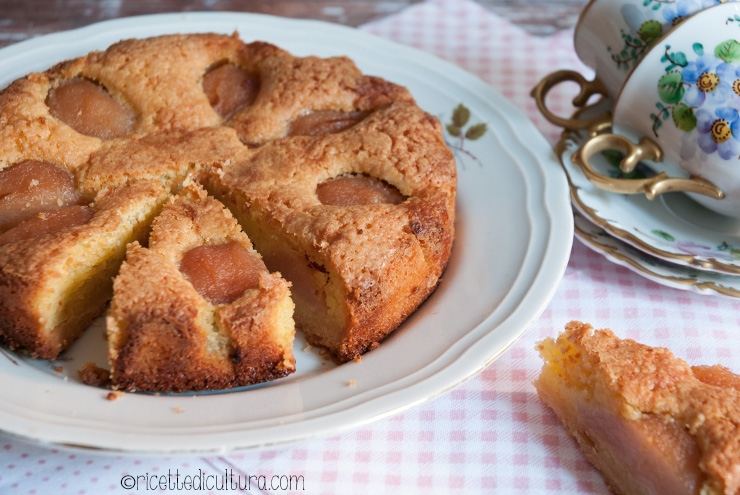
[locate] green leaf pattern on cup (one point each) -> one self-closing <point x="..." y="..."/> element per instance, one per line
<point x="645" y="22"/>
<point x="700" y="92"/>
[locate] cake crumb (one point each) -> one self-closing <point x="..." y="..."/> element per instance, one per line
<point x="357" y="359"/>
<point x="307" y="348"/>
<point x="351" y="383"/>
<point x="93" y="375"/>
<point x="58" y="369"/>
<point x="114" y="395"/>
<point x="177" y="410"/>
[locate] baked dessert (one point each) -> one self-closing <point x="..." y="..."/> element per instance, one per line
<point x="57" y="266"/>
<point x="197" y="309"/>
<point x="647" y="420"/>
<point x="363" y="237"/>
<point x="344" y="185"/>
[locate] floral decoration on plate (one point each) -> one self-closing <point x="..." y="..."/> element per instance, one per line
<point x="461" y="130"/>
<point x="655" y="269"/>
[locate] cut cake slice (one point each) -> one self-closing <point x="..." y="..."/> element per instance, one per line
<point x="358" y="267"/>
<point x="650" y="423"/>
<point x="197" y="309"/>
<point x="53" y="284"/>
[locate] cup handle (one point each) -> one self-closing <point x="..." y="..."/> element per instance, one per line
<point x="588" y="89"/>
<point x="646" y="149"/>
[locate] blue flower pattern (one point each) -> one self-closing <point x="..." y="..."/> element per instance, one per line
<point x="719" y="131"/>
<point x="646" y="21"/>
<point x="703" y="95"/>
<point x="674" y="13"/>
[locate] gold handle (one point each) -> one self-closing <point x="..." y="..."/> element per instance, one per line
<point x="646" y="149"/>
<point x="588" y="89"/>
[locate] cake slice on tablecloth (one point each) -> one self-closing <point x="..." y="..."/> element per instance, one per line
<point x="647" y="420"/>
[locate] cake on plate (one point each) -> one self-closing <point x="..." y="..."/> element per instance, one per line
<point x="344" y="185"/>
<point x="646" y="419"/>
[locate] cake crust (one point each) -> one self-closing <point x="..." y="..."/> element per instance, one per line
<point x="635" y="381"/>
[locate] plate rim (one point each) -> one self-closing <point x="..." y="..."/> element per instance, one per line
<point x="616" y="254"/>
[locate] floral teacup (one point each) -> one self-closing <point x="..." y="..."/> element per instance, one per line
<point x="612" y="37"/>
<point x="682" y="103"/>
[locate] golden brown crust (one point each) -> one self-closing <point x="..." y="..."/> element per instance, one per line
<point x="160" y="77"/>
<point x="386" y="258"/>
<point x="52" y="286"/>
<point x="165" y="336"/>
<point x="167" y="157"/>
<point x="293" y="86"/>
<point x="29" y="132"/>
<point x="383" y="260"/>
<point x="636" y="380"/>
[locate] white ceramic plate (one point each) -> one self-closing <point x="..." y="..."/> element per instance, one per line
<point x="650" y="267"/>
<point x="672" y="227"/>
<point x="514" y="233"/>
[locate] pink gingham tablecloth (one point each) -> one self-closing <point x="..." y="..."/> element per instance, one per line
<point x="490" y="434"/>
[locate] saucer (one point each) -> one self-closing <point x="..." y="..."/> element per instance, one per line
<point x="651" y="267"/>
<point x="672" y="227"/>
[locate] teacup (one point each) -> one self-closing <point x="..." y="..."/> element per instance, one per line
<point x="679" y="109"/>
<point x="612" y="37"/>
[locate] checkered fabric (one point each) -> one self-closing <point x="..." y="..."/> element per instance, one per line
<point x="490" y="434"/>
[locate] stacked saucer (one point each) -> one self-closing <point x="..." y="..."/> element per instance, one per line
<point x="671" y="240"/>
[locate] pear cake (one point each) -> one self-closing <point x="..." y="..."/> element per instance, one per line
<point x="646" y="419"/>
<point x="219" y="195"/>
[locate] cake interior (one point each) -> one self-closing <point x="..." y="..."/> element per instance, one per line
<point x="318" y="297"/>
<point x="637" y="453"/>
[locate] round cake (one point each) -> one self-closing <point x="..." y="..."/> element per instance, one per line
<point x="219" y="194"/>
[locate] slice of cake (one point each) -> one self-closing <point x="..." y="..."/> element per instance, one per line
<point x="57" y="261"/>
<point x="650" y="423"/>
<point x="197" y="309"/>
<point x="361" y="222"/>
